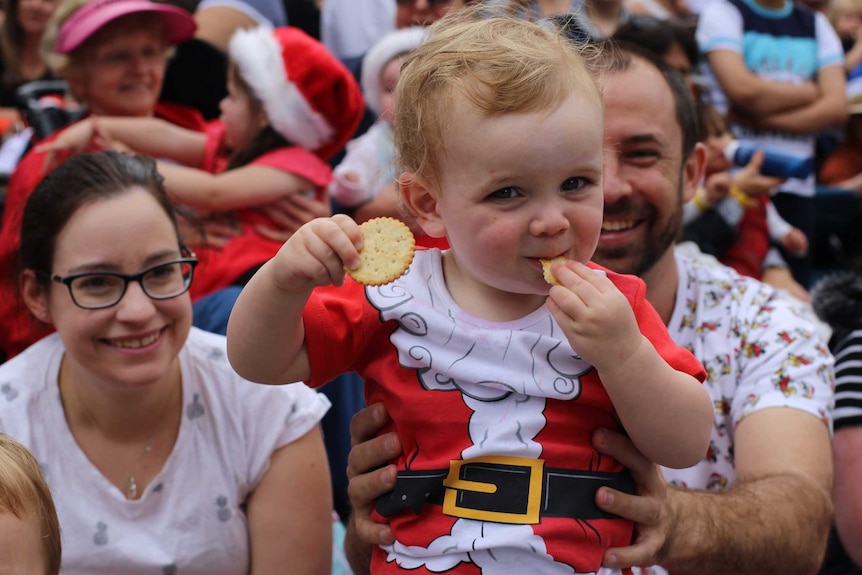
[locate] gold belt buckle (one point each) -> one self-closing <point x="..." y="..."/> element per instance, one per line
<point x="455" y="484"/>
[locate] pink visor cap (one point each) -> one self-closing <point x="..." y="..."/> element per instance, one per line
<point x="92" y="16"/>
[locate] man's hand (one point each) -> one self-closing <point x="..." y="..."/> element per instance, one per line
<point x="370" y="476"/>
<point x="650" y="509"/>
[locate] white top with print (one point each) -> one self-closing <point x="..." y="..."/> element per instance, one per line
<point x="189" y="520"/>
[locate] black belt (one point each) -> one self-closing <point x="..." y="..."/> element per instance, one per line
<point x="504" y="490"/>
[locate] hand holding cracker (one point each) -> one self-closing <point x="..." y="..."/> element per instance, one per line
<point x="317" y="254"/>
<point x="594" y="315"/>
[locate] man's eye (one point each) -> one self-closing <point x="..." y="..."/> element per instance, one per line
<point x="504" y="194"/>
<point x="642" y="156"/>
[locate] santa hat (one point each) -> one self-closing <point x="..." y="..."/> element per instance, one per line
<point x="393" y="44"/>
<point x="310" y="97"/>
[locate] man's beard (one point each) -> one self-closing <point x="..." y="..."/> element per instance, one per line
<point x="638" y="258"/>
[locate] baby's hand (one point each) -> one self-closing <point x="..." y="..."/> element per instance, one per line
<point x="317" y="254"/>
<point x="595" y="316"/>
<point x="795" y="242"/>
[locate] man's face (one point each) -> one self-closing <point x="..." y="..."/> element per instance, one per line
<point x="645" y="177"/>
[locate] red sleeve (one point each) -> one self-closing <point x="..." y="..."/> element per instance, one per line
<point x="180" y="115"/>
<point x="652" y="326"/>
<point x="340" y="325"/>
<point x="214" y="160"/>
<point x="298" y="161"/>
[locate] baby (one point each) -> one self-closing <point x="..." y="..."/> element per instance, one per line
<point x="368" y="166"/>
<point x="495" y="379"/>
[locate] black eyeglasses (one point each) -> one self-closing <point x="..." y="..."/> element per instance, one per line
<point x="99" y="290"/>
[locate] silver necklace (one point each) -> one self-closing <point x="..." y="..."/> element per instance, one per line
<point x="131" y="483"/>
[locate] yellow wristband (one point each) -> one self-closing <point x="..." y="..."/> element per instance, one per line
<point x="699" y="200"/>
<point x="741" y="197"/>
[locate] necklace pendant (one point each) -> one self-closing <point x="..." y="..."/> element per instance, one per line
<point x="132" y="489"/>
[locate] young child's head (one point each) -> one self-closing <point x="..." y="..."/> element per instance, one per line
<point x="715" y="135"/>
<point x="499" y="133"/>
<point x="846" y="17"/>
<point x="29" y="528"/>
<point x="381" y="69"/>
<point x="308" y="97"/>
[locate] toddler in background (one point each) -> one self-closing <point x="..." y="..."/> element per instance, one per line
<point x="495" y="379"/>
<point x="731" y="216"/>
<point x="846" y="18"/>
<point x="368" y="166"/>
<point x="29" y="526"/>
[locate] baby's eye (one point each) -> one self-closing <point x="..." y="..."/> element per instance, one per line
<point x="504" y="194"/>
<point x="574" y="184"/>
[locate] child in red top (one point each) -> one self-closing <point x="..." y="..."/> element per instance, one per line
<point x="494" y="379"/>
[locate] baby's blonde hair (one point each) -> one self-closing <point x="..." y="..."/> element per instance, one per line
<point x="24" y="494"/>
<point x="499" y="65"/>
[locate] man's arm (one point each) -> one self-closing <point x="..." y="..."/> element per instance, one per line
<point x="774" y="519"/>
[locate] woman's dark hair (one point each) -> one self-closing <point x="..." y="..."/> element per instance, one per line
<point x="265" y="141"/>
<point x="74" y="183"/>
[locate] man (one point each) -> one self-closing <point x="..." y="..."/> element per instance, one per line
<point x="761" y="500"/>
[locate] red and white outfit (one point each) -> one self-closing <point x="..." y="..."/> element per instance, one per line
<point x="220" y="267"/>
<point x="512" y="394"/>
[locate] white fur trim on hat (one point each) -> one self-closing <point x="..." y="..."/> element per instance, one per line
<point x="258" y="58"/>
<point x="391" y="45"/>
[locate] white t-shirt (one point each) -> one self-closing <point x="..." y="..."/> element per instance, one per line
<point x="760" y="350"/>
<point x="190" y="519"/>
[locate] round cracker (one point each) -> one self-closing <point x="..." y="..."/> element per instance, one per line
<point x="388" y="246"/>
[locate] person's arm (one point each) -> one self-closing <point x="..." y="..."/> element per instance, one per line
<point x="243" y="187"/>
<point x="290" y="511"/>
<point x="753" y="526"/>
<point x="600" y="324"/>
<point x="265" y="335"/>
<point x="847" y="445"/>
<point x="829" y="110"/>
<point x="150" y="136"/>
<point x="753" y="94"/>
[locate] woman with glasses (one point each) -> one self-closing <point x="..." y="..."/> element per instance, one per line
<point x="160" y="458"/>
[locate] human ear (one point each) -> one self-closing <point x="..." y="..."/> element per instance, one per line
<point x="692" y="171"/>
<point x="420" y="198"/>
<point x="35" y="296"/>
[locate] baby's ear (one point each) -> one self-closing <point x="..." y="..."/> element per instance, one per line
<point x="420" y="200"/>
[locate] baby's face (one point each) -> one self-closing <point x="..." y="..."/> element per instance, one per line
<point x="388" y="80"/>
<point x="715" y="145"/>
<point x="21" y="549"/>
<point x="515" y="188"/>
<point x="847" y="18"/>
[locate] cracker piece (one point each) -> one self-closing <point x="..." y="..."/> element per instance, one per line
<point x="388" y="246"/>
<point x="546" y="269"/>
